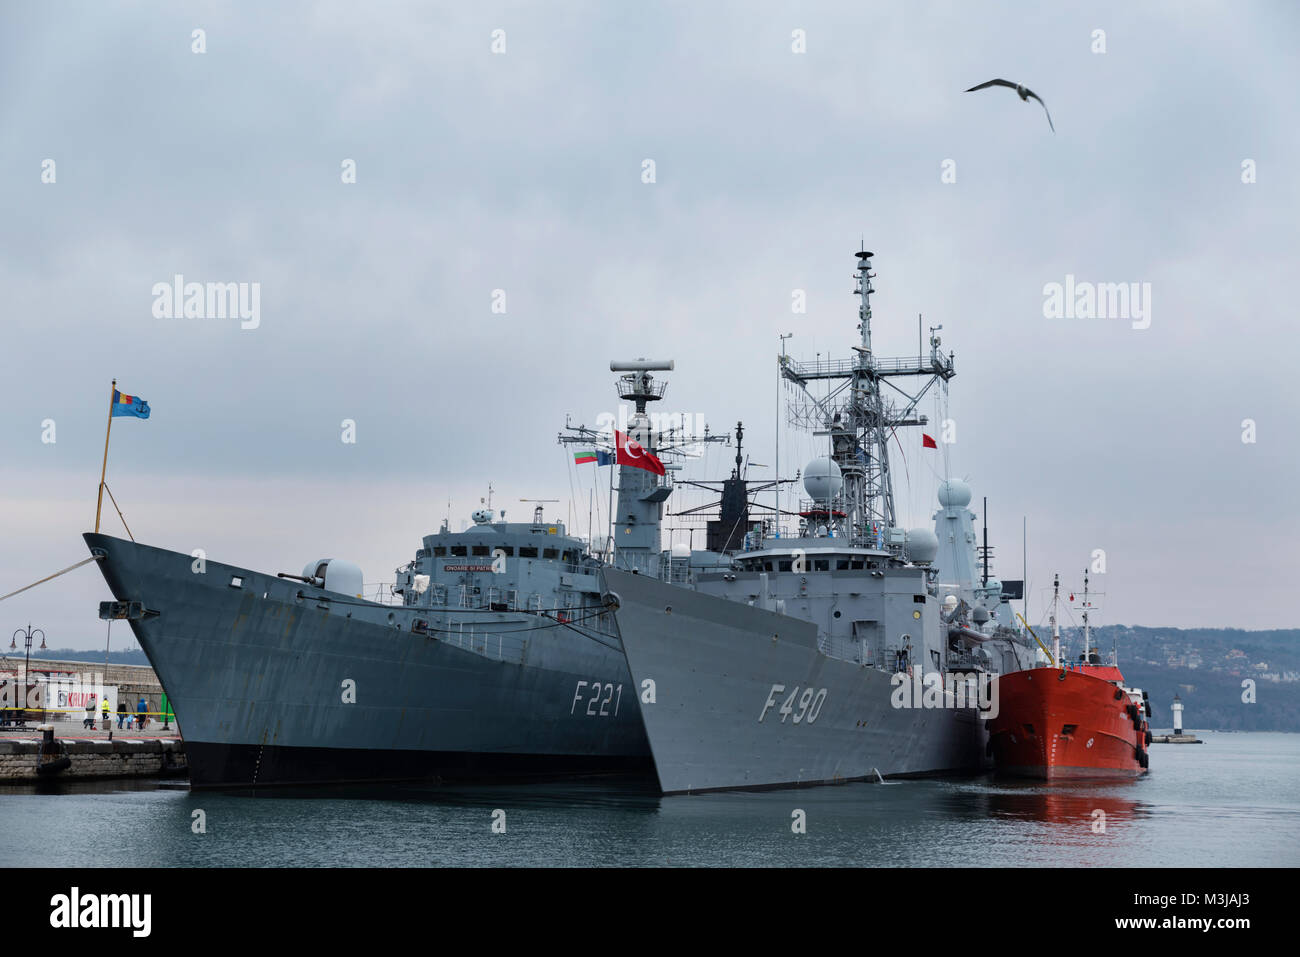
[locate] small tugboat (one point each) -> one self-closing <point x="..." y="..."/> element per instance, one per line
<point x="1064" y="720"/>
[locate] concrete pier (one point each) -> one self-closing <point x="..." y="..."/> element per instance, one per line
<point x="92" y="754"/>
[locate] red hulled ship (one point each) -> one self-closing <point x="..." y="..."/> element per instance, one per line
<point x="1070" y="720"/>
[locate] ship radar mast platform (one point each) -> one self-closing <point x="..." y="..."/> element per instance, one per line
<point x="637" y="518"/>
<point x="858" y="416"/>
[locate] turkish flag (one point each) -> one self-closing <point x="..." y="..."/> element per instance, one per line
<point x="927" y="442"/>
<point x="630" y="452"/>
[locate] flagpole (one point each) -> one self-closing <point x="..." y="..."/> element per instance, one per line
<point x="613" y="465"/>
<point x="104" y="468"/>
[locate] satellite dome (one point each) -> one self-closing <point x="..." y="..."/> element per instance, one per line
<point x="980" y="615"/>
<point x="822" y="480"/>
<point x="921" y="545"/>
<point x="681" y="550"/>
<point x="954" y="493"/>
<point x="482" y="516"/>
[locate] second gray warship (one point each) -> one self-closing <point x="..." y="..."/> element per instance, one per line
<point x="490" y="658"/>
<point x="852" y="650"/>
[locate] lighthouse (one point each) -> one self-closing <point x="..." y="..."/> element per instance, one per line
<point x="1178" y="715"/>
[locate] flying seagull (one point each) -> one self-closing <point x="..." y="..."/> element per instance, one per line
<point x="1024" y="91"/>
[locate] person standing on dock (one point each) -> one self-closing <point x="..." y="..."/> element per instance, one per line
<point x="104" y="710"/>
<point x="89" y="720"/>
<point x="142" y="713"/>
<point x="121" y="712"/>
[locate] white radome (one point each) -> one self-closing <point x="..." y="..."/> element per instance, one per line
<point x="822" y="480"/>
<point x="954" y="493"/>
<point x="922" y="545"/>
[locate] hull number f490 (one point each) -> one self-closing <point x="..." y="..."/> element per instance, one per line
<point x="806" y="708"/>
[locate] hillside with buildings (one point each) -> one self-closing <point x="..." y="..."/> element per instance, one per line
<point x="1227" y="678"/>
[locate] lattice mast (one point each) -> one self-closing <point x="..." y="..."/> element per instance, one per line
<point x="859" y="419"/>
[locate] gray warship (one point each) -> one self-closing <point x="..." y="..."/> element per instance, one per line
<point x="492" y="657"/>
<point x="509" y="650"/>
<point x="853" y="649"/>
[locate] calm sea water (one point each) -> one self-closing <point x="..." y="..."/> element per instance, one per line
<point x="1232" y="801"/>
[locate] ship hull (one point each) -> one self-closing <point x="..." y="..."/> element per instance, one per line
<point x="721" y="673"/>
<point x="1064" y="725"/>
<point x="277" y="683"/>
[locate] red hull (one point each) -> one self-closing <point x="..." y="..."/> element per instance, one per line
<point x="1074" y="724"/>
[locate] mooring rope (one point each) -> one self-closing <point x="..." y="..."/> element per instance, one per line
<point x="119" y="512"/>
<point x="92" y="558"/>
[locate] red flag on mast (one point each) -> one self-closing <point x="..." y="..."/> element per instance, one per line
<point x="927" y="442"/>
<point x="630" y="452"/>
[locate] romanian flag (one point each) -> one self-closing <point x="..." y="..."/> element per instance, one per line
<point x="124" y="404"/>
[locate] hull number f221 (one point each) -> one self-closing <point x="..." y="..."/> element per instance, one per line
<point x="598" y="697"/>
<point x="806" y="708"/>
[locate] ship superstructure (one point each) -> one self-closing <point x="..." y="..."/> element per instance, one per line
<point x="843" y="651"/>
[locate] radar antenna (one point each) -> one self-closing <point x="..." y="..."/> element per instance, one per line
<point x="859" y="419"/>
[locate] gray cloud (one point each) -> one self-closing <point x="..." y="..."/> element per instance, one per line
<point x="521" y="172"/>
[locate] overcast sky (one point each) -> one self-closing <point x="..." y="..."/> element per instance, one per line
<point x="522" y="171"/>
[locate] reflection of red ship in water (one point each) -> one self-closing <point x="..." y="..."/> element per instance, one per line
<point x="1069" y="808"/>
<point x="1070" y="720"/>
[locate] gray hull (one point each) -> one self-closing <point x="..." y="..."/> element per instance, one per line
<point x="715" y="666"/>
<point x="258" y="672"/>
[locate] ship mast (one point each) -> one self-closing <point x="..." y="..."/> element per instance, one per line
<point x="635" y="524"/>
<point x="858" y="418"/>
<point x="1056" y="625"/>
<point x="1087" y="633"/>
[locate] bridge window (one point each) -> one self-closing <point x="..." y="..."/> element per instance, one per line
<point x="822" y="565"/>
<point x="481" y="550"/>
<point x="527" y="551"/>
<point x="550" y="553"/>
<point x="509" y="550"/>
<point x="841" y="564"/>
<point x="856" y="565"/>
<point x="785" y="566"/>
<point x="439" y="550"/>
<point x="458" y="550"/>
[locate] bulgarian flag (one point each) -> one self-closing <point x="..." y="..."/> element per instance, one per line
<point x="629" y="451"/>
<point x="600" y="458"/>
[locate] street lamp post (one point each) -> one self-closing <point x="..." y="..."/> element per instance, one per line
<point x="28" y="635"/>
